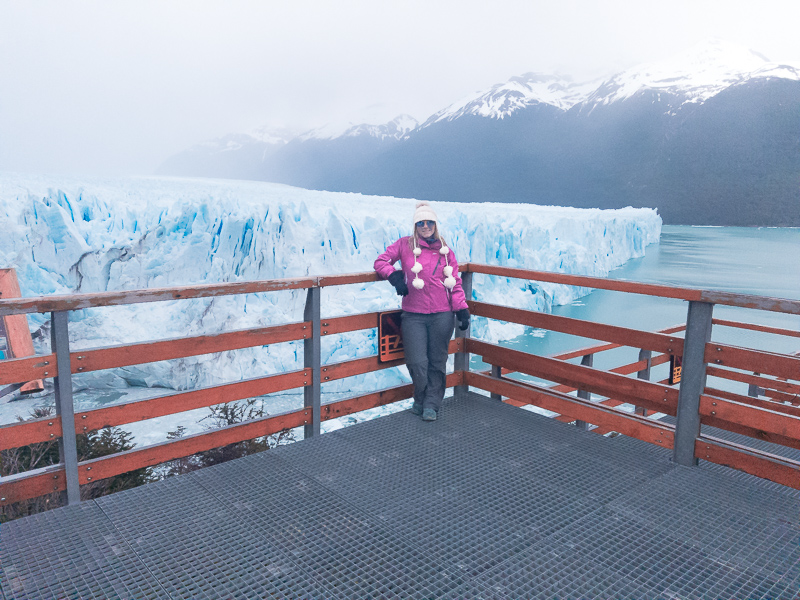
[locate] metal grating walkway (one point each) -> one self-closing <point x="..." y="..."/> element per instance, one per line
<point x="488" y="502"/>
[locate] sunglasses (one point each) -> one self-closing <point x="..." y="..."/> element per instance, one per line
<point x="426" y="223"/>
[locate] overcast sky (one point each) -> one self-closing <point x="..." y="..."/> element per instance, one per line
<point x="111" y="87"/>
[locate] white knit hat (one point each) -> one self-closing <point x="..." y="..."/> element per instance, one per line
<point x="424" y="212"/>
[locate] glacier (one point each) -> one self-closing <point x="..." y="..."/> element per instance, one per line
<point x="68" y="235"/>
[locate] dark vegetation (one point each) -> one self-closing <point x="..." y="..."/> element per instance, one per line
<point x="112" y="440"/>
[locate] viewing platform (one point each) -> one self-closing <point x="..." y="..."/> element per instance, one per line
<point x="691" y="492"/>
<point x="488" y="502"/>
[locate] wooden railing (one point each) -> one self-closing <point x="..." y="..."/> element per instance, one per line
<point x="775" y="418"/>
<point x="772" y="415"/>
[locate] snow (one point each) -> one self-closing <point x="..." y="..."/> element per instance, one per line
<point x="695" y="75"/>
<point x="698" y="74"/>
<point x="274" y="135"/>
<point x="397" y="128"/>
<point x="503" y="99"/>
<point x="65" y="235"/>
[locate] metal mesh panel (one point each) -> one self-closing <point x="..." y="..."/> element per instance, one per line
<point x="745" y="527"/>
<point x="550" y="571"/>
<point x="655" y="560"/>
<point x="488" y="502"/>
<point x="198" y="548"/>
<point x="476" y="486"/>
<point x="352" y="555"/>
<point x="71" y="552"/>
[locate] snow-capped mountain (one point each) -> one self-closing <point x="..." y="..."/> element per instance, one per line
<point x="231" y="142"/>
<point x="396" y="129"/>
<point x="503" y="99"/>
<point x="231" y="156"/>
<point x="708" y="136"/>
<point x="695" y="75"/>
<point x="269" y="134"/>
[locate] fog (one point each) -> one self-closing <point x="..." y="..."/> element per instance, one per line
<point x="115" y="88"/>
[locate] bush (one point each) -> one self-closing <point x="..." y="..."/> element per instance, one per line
<point x="223" y="415"/>
<point x="95" y="444"/>
<point x="112" y="440"/>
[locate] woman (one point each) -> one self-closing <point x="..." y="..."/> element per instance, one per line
<point x="429" y="302"/>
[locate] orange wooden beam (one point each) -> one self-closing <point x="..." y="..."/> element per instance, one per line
<point x="18" y="333"/>
<point x="133" y="354"/>
<point x="17" y="370"/>
<point x="24" y="486"/>
<point x="658" y="342"/>
<point x="123" y="462"/>
<point x="633" y="391"/>
<point x="761" y="464"/>
<point x="34" y="431"/>
<point x="360" y="366"/>
<point x="763" y="382"/>
<point x="132" y="412"/>
<point x="758" y="361"/>
<point x="628" y="424"/>
<point x="771" y="426"/>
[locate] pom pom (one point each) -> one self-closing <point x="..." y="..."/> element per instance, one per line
<point x="448" y="271"/>
<point x="450" y="283"/>
<point x="422" y="203"/>
<point x="416" y="268"/>
<point x="418" y="283"/>
<point x="444" y="250"/>
<point x="417" y="251"/>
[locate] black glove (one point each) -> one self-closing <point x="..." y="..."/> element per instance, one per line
<point x="398" y="280"/>
<point x="463" y="318"/>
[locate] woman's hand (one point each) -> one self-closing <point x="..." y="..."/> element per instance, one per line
<point x="398" y="280"/>
<point x="463" y="319"/>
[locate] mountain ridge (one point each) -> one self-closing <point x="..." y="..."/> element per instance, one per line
<point x="544" y="139"/>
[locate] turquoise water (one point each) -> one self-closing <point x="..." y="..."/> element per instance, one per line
<point x="763" y="261"/>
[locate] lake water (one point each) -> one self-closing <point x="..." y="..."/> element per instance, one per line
<point x="762" y="261"/>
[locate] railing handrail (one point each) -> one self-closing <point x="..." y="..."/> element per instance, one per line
<point x="755" y="418"/>
<point x="42" y="304"/>
<point x="784" y="305"/>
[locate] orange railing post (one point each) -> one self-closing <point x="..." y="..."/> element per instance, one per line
<point x="17" y="332"/>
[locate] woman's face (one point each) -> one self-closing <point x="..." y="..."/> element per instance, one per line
<point x="425" y="229"/>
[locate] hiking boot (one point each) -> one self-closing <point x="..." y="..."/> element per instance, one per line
<point x="428" y="414"/>
<point x="416" y="409"/>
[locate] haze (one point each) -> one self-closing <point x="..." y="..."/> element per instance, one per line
<point x="115" y="88"/>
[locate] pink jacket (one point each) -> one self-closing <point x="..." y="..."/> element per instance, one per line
<point x="433" y="297"/>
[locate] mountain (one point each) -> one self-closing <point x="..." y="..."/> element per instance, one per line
<point x="709" y="136"/>
<point x="312" y="160"/>
<point x="232" y="156"/>
<point x="517" y="93"/>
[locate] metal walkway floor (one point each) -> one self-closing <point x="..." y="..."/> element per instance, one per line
<point x="488" y="502"/>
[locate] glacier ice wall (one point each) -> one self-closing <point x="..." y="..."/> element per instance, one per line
<point x="67" y="235"/>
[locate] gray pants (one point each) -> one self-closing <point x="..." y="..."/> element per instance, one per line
<point x="425" y="341"/>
